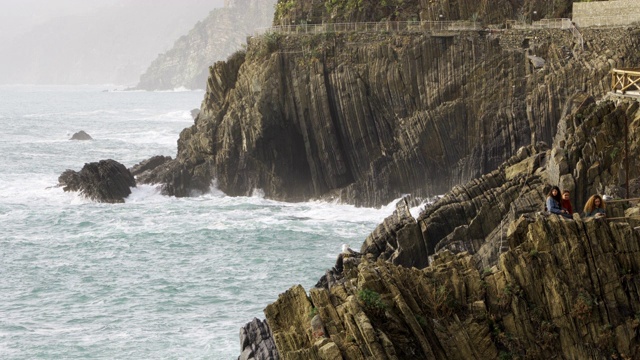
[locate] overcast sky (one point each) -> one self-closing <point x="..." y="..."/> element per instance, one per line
<point x="89" y="41"/>
<point x="17" y="16"/>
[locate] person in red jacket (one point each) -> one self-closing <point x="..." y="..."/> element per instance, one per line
<point x="566" y="202"/>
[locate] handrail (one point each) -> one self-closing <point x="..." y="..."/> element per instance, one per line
<point x="624" y="80"/>
<point x="556" y="23"/>
<point x="383" y="26"/>
<point x="622" y="200"/>
<point x="628" y="71"/>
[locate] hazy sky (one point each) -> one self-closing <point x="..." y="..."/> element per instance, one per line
<point x="17" y="16"/>
<point x="90" y="41"/>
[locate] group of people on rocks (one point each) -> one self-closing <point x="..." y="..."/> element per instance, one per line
<point x="559" y="203"/>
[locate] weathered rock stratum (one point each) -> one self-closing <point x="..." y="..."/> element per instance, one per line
<point x="367" y="117"/>
<point x="569" y="290"/>
<point x="505" y="279"/>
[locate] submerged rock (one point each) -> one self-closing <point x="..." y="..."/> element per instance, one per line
<point x="81" y="135"/>
<point x="105" y="181"/>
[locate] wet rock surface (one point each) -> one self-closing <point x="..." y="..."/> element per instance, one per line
<point x="105" y="181"/>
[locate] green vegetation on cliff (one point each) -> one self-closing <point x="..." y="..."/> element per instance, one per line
<point x="290" y="12"/>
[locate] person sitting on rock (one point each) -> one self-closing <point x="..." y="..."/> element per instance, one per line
<point x="566" y="202"/>
<point x="595" y="207"/>
<point x="553" y="203"/>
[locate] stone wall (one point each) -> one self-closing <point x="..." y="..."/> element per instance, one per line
<point x="606" y="13"/>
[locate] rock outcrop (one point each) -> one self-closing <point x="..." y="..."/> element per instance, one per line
<point x="553" y="286"/>
<point x="213" y="39"/>
<point x="366" y="118"/>
<point x="569" y="290"/>
<point x="256" y="341"/>
<point x="81" y="135"/>
<point x="143" y="170"/>
<point x="504" y="279"/>
<point x="105" y="181"/>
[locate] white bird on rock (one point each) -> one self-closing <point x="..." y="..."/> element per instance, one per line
<point x="347" y="250"/>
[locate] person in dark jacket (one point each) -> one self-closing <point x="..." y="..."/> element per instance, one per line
<point x="553" y="203"/>
<point x="566" y="202"/>
<point x="595" y="207"/>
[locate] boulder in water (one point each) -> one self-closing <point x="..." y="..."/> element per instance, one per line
<point x="81" y="135"/>
<point x="149" y="164"/>
<point x="105" y="181"/>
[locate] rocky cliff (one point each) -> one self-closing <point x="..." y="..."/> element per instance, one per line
<point x="506" y="280"/>
<point x="367" y="117"/>
<point x="213" y="39"/>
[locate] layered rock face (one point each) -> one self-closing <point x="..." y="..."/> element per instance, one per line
<point x="213" y="39"/>
<point x="506" y="279"/>
<point x="569" y="290"/>
<point x="105" y="181"/>
<point x="482" y="216"/>
<point x="256" y="341"/>
<point x="368" y="117"/>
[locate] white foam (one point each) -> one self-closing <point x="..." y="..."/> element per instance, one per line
<point x="257" y="193"/>
<point x="145" y="193"/>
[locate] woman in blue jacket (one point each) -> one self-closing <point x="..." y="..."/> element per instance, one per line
<point x="554" y="199"/>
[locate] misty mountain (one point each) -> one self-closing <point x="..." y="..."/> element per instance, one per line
<point x="221" y="34"/>
<point x="113" y="44"/>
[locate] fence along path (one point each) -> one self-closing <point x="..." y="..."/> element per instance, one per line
<point x="419" y="26"/>
<point x="393" y="26"/>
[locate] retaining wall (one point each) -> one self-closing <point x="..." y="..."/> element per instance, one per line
<point x="606" y="13"/>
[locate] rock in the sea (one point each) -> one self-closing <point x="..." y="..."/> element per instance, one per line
<point x="257" y="342"/>
<point x="81" y="135"/>
<point x="149" y="164"/>
<point x="105" y="181"/>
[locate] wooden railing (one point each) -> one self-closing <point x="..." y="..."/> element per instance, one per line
<point x="624" y="80"/>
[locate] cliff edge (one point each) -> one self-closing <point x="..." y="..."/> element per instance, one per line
<point x="367" y="117"/>
<point x="506" y="280"/>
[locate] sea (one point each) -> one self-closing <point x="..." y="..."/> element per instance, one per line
<point x="157" y="277"/>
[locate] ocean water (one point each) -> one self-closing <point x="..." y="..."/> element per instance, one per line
<point x="156" y="277"/>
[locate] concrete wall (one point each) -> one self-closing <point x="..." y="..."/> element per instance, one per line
<point x="606" y="13"/>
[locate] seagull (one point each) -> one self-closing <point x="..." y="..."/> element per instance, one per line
<point x="347" y="250"/>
